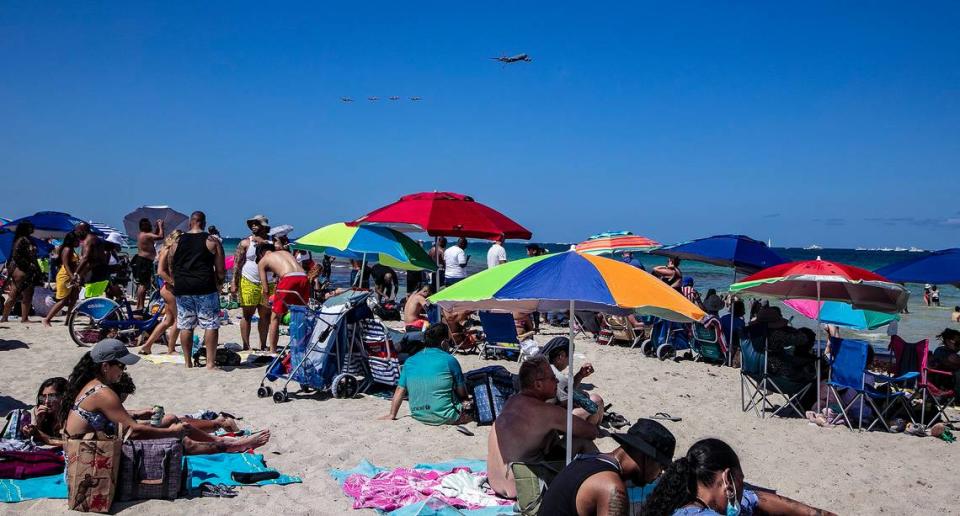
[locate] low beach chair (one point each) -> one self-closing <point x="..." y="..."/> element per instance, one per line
<point x="532" y="480"/>
<point x="500" y="335"/>
<point x="912" y="367"/>
<point x="708" y="343"/>
<point x="755" y="377"/>
<point x="849" y="371"/>
<point x="618" y="327"/>
<point x="586" y="322"/>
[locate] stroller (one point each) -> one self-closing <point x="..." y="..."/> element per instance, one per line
<point x="666" y="338"/>
<point x="330" y="351"/>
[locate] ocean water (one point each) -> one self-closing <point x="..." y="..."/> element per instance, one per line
<point x="922" y="321"/>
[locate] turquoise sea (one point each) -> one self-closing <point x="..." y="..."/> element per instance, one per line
<point x="921" y="322"/>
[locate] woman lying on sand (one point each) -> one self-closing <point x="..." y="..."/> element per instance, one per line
<point x="90" y="404"/>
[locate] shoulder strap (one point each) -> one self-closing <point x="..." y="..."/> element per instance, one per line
<point x="90" y="392"/>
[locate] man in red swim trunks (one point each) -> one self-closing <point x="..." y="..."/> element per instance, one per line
<point x="292" y="289"/>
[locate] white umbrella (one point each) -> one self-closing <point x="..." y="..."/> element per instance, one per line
<point x="172" y="219"/>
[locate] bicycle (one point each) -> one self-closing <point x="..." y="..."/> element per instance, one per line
<point x="98" y="318"/>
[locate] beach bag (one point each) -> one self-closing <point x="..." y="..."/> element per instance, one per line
<point x="532" y="480"/>
<point x="92" y="465"/>
<point x="150" y="469"/>
<point x="491" y="387"/>
<point x="14" y="425"/>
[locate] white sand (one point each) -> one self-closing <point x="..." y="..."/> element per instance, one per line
<point x="848" y="472"/>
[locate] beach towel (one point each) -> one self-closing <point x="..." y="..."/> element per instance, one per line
<point x="52" y="486"/>
<point x="246" y="357"/>
<point x="216" y="469"/>
<point x="446" y="488"/>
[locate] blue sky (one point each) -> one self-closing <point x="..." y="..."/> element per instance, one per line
<point x="818" y="122"/>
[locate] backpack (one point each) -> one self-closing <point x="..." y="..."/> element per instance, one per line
<point x="225" y="357"/>
<point x="491" y="386"/>
<point x="13" y="428"/>
<point x="150" y="469"/>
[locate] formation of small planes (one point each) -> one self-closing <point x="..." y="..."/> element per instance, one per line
<point x="519" y="58"/>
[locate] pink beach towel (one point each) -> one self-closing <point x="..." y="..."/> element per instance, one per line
<point x="392" y="490"/>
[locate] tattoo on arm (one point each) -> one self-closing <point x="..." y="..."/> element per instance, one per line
<point x="617" y="504"/>
<point x="239" y="256"/>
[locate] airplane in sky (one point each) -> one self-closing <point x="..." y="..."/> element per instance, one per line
<point x="513" y="59"/>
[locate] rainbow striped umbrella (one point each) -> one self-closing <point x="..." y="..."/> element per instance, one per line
<point x="609" y="243"/>
<point x="568" y="281"/>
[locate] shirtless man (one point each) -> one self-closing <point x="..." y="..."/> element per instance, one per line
<point x="246" y="282"/>
<point x="93" y="271"/>
<point x="527" y="428"/>
<point x="142" y="263"/>
<point x="292" y="289"/>
<point x="415" y="306"/>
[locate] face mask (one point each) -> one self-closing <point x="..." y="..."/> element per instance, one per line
<point x="733" y="505"/>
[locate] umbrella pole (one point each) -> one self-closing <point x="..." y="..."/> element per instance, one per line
<point x="819" y="349"/>
<point x="732" y="315"/>
<point x="436" y="275"/>
<point x="570" y="349"/>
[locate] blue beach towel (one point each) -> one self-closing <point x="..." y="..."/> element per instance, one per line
<point x="216" y="469"/>
<point x="430" y="506"/>
<point x="52" y="486"/>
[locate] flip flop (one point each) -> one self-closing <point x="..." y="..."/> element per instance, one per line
<point x="666" y="417"/>
<point x="216" y="491"/>
<point x="463" y="430"/>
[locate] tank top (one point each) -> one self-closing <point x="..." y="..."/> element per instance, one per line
<point x="193" y="273"/>
<point x="561" y="497"/>
<point x="250" y="270"/>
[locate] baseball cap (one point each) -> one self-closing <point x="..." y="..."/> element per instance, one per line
<point x="112" y="349"/>
<point x="649" y="438"/>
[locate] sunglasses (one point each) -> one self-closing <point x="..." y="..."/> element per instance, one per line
<point x="122" y="366"/>
<point x="50" y="397"/>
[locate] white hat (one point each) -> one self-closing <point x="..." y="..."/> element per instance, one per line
<point x="283" y="230"/>
<point x="116" y="239"/>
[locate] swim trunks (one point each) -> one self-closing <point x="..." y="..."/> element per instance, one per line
<point x="142" y="269"/>
<point x="294" y="282"/>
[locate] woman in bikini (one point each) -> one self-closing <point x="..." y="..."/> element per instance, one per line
<point x="26" y="273"/>
<point x="90" y="404"/>
<point x="670" y="273"/>
<point x="169" y="301"/>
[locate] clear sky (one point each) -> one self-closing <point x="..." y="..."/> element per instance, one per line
<point x="818" y="122"/>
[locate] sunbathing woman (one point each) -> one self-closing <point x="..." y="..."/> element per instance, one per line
<point x="91" y="405"/>
<point x="47" y="423"/>
<point x="169" y="301"/>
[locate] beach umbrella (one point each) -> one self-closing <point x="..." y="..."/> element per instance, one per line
<point x="938" y="267"/>
<point x="172" y="219"/>
<point x="823" y="280"/>
<point x="568" y="281"/>
<point x="742" y="253"/>
<point x="50" y="224"/>
<point x="444" y="214"/>
<point x="841" y="314"/>
<point x="367" y="243"/>
<point x="609" y="243"/>
<point x="6" y="245"/>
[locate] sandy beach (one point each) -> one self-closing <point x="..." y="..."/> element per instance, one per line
<point x="847" y="472"/>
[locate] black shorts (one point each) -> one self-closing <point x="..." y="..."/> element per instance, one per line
<point x="142" y="269"/>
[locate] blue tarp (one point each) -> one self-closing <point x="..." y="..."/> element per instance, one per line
<point x="742" y="252"/>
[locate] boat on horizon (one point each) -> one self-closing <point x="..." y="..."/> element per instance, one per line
<point x="916" y="250"/>
<point x="813" y="247"/>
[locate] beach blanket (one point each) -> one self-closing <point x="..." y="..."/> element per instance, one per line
<point x="214" y="468"/>
<point x="446" y="488"/>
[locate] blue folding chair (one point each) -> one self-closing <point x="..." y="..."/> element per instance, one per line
<point x="755" y="376"/>
<point x="499" y="335"/>
<point x="849" y="371"/>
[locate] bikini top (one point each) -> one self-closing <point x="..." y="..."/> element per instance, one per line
<point x="96" y="420"/>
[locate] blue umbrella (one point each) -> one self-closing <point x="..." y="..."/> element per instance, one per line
<point x="938" y="267"/>
<point x="49" y="224"/>
<point x="744" y="254"/>
<point x="6" y="246"/>
<point x="741" y="252"/>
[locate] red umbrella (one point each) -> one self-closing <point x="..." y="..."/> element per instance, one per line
<point x="445" y="214"/>
<point x="826" y="281"/>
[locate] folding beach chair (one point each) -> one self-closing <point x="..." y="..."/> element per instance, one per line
<point x="755" y="376"/>
<point x="619" y="327"/>
<point x="849" y="371"/>
<point x="708" y="343"/>
<point x="500" y="335"/>
<point x="913" y="369"/>
<point x="586" y="322"/>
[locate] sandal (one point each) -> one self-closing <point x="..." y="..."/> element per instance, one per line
<point x="216" y="491"/>
<point x="463" y="430"/>
<point x="666" y="417"/>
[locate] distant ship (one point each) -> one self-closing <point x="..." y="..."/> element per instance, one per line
<point x="813" y="247"/>
<point x="860" y="249"/>
<point x="899" y="249"/>
<point x="916" y="250"/>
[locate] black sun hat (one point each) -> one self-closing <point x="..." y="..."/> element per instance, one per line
<point x="650" y="438"/>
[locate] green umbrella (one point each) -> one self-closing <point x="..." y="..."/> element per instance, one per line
<point x="367" y="243"/>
